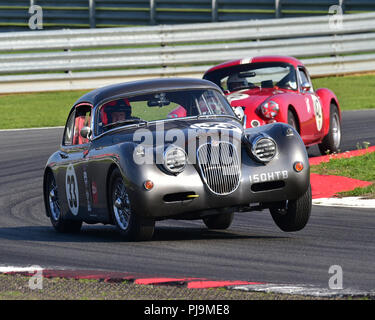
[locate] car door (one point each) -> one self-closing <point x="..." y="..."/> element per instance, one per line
<point x="73" y="180"/>
<point x="313" y="128"/>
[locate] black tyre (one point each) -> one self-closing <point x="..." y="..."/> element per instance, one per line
<point x="130" y="225"/>
<point x="54" y="210"/>
<point x="292" y="121"/>
<point x="295" y="214"/>
<point x="219" y="221"/>
<point x="331" y="142"/>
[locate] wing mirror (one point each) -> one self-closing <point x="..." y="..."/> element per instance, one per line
<point x="306" y="86"/>
<point x="238" y="111"/>
<point x="86" y="133"/>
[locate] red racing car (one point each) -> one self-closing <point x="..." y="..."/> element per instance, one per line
<point x="271" y="89"/>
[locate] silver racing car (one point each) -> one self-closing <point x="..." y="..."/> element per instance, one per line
<point x="138" y="152"/>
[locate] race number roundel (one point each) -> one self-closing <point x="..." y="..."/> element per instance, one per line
<point x="71" y="186"/>
<point x="318" y="113"/>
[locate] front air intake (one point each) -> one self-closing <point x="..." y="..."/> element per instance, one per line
<point x="220" y="166"/>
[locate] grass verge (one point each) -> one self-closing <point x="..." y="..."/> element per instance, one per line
<point x="360" y="167"/>
<point x="353" y="92"/>
<point x="32" y="110"/>
<point x="16" y="287"/>
<point x="48" y="109"/>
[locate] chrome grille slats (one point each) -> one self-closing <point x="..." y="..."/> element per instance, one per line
<point x="220" y="166"/>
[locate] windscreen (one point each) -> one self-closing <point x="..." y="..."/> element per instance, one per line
<point x="160" y="106"/>
<point x="253" y="76"/>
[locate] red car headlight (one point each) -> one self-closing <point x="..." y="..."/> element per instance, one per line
<point x="270" y="109"/>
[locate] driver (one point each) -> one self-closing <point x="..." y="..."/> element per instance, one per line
<point x="118" y="110"/>
<point x="235" y="83"/>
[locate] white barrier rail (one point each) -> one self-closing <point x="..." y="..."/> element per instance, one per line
<point x="89" y="58"/>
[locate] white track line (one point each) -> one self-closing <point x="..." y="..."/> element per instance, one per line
<point x="33" y="268"/>
<point x="31" y="129"/>
<point x="349" y="202"/>
<point x="304" y="290"/>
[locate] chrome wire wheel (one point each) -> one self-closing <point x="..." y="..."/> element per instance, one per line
<point x="331" y="142"/>
<point x="130" y="224"/>
<point x="55" y="211"/>
<point x="336" y="130"/>
<point x="53" y="199"/>
<point x="121" y="205"/>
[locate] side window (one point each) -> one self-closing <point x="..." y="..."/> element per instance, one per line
<point x="69" y="130"/>
<point x="304" y="78"/>
<point x="82" y="119"/>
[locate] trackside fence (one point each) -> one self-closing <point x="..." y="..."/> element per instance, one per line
<point x="14" y="14"/>
<point x="89" y="58"/>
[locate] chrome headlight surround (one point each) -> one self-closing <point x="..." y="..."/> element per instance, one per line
<point x="263" y="148"/>
<point x="174" y="159"/>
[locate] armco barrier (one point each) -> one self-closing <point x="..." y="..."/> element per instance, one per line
<point x="88" y="58"/>
<point x="14" y="14"/>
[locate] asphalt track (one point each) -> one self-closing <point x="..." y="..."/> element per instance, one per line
<point x="253" y="249"/>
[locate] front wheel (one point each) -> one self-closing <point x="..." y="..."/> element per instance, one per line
<point x="331" y="142"/>
<point x="129" y="224"/>
<point x="219" y="221"/>
<point x="54" y="209"/>
<point x="292" y="121"/>
<point x="295" y="214"/>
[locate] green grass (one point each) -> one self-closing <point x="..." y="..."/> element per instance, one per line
<point x="49" y="109"/>
<point x="361" y="168"/>
<point x="353" y="92"/>
<point x="367" y="192"/>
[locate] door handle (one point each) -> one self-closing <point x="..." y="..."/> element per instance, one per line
<point x="63" y="155"/>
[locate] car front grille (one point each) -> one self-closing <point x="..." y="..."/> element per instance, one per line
<point x="220" y="166"/>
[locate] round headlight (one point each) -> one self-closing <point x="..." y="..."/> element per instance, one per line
<point x="264" y="149"/>
<point x="270" y="109"/>
<point x="175" y="159"/>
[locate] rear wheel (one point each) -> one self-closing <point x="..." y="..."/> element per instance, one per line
<point x="294" y="214"/>
<point x="128" y="223"/>
<point x="219" y="221"/>
<point x="54" y="209"/>
<point x="331" y="142"/>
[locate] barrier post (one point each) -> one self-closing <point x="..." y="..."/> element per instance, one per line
<point x="92" y="14"/>
<point x="152" y="12"/>
<point x="214" y="11"/>
<point x="342" y="5"/>
<point x="277" y="9"/>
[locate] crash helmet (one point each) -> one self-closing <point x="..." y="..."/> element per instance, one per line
<point x="120" y="105"/>
<point x="235" y="82"/>
<point x="178" y="112"/>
